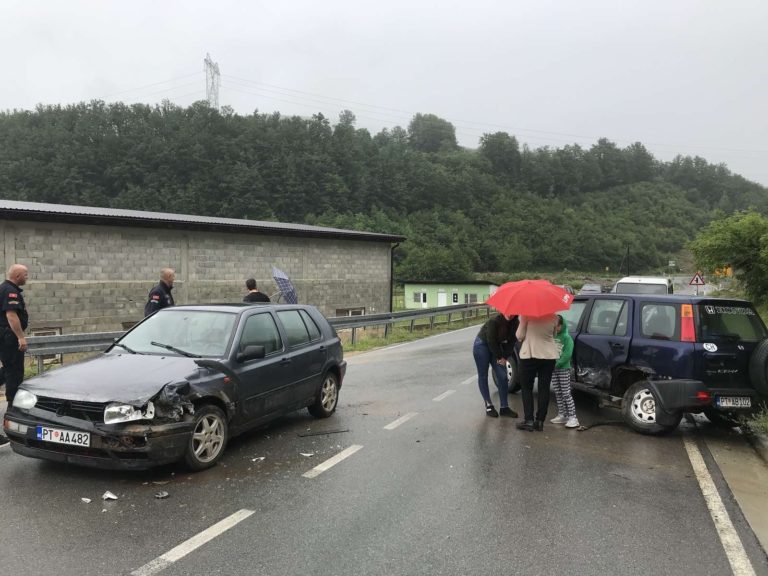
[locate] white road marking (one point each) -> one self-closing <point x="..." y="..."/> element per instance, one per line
<point x="734" y="549"/>
<point x="177" y="553"/>
<point x="401" y="420"/>
<point x="443" y="396"/>
<point x="331" y="462"/>
<point x="469" y="380"/>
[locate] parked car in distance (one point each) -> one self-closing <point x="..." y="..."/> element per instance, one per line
<point x="179" y="385"/>
<point x="658" y="356"/>
<point x="590" y="289"/>
<point x="568" y="288"/>
<point x="643" y="285"/>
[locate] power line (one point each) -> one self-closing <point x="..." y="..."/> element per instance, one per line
<point x="148" y="85"/>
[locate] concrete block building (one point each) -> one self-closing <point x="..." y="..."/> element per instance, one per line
<point x="91" y="268"/>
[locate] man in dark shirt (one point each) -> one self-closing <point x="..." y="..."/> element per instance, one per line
<point x="253" y="292"/>
<point x="160" y="296"/>
<point x="13" y="322"/>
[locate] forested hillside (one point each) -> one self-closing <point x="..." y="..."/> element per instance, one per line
<point x="501" y="207"/>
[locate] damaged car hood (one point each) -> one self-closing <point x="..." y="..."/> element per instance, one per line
<point x="129" y="378"/>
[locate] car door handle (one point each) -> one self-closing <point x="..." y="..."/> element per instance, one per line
<point x="617" y="345"/>
<point x="285" y="361"/>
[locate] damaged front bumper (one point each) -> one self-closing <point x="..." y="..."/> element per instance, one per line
<point x="130" y="446"/>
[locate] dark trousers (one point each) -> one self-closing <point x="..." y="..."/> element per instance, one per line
<point x="13" y="365"/>
<point x="530" y="368"/>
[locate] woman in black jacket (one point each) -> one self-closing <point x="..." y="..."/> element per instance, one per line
<point x="494" y="342"/>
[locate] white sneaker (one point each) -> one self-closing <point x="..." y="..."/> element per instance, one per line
<point x="573" y="422"/>
<point x="559" y="419"/>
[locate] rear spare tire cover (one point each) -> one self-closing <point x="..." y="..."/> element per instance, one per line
<point x="758" y="368"/>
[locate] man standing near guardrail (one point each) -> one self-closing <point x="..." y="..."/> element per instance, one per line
<point x="13" y="322"/>
<point x="160" y="296"/>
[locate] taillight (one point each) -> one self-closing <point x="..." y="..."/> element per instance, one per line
<point x="687" y="327"/>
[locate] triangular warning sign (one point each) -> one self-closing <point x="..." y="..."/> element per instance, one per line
<point x="697" y="280"/>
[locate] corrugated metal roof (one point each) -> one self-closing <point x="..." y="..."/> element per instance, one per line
<point x="13" y="209"/>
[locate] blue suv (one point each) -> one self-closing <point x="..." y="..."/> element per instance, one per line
<point x="659" y="356"/>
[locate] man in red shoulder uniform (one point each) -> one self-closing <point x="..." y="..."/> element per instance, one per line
<point x="13" y="322"/>
<point x="160" y="296"/>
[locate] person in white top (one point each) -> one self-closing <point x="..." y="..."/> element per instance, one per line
<point x="538" y="354"/>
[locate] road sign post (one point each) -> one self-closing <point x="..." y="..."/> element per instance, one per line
<point x="697" y="280"/>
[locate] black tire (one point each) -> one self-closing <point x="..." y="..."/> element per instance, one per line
<point x="327" y="397"/>
<point x="514" y="385"/>
<point x="638" y="408"/>
<point x="209" y="438"/>
<point x="758" y="368"/>
<point x="722" y="419"/>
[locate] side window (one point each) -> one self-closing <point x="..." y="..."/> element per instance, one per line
<point x="314" y="331"/>
<point x="261" y="330"/>
<point x="621" y="325"/>
<point x="573" y="314"/>
<point x="295" y="330"/>
<point x="658" y="321"/>
<point x="605" y="316"/>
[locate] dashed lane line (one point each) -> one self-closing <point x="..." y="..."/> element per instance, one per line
<point x="331" y="462"/>
<point x="734" y="549"/>
<point x="401" y="420"/>
<point x="469" y="380"/>
<point x="177" y="553"/>
<point x="443" y="396"/>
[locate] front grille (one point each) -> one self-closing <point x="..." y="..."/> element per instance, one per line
<point x="83" y="451"/>
<point x="89" y="411"/>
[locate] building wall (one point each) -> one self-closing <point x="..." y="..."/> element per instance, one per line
<point x="482" y="291"/>
<point x="89" y="278"/>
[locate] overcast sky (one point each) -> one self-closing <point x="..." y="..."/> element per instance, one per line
<point x="680" y="76"/>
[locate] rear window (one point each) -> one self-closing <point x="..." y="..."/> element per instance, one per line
<point x="637" y="288"/>
<point x="729" y="321"/>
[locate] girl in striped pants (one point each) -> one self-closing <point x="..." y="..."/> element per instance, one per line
<point x="561" y="377"/>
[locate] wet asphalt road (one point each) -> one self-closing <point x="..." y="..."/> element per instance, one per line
<point x="450" y="491"/>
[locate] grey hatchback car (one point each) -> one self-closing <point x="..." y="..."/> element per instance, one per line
<point x="179" y="385"/>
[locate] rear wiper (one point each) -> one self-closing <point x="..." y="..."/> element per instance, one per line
<point x="177" y="350"/>
<point x="125" y="347"/>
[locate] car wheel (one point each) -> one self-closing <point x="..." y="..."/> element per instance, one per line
<point x="209" y="438"/>
<point x="638" y="409"/>
<point x="514" y="385"/>
<point x="327" y="397"/>
<point x="721" y="419"/>
<point x="758" y="368"/>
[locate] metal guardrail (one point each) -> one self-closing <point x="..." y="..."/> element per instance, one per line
<point x="42" y="346"/>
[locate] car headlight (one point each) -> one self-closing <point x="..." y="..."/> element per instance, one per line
<point x="24" y="399"/>
<point x="116" y="413"/>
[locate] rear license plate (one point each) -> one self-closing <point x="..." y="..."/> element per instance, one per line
<point x="734" y="402"/>
<point x="63" y="436"/>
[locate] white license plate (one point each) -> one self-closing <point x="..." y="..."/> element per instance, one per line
<point x="734" y="401"/>
<point x="63" y="436"/>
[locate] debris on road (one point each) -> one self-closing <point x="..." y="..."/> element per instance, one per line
<point x="162" y="495"/>
<point x="258" y="458"/>
<point x="86" y="500"/>
<point x="108" y="496"/>
<point x="307" y="454"/>
<point x="322" y="433"/>
<point x="160" y="482"/>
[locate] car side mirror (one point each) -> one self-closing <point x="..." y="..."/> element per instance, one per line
<point x="251" y="353"/>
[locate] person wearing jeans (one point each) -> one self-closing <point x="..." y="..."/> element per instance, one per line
<point x="538" y="355"/>
<point x="495" y="337"/>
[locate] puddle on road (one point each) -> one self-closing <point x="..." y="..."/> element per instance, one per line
<point x="747" y="476"/>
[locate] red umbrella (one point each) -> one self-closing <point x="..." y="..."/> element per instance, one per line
<point x="533" y="298"/>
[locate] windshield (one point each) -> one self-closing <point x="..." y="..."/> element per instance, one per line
<point x="637" y="288"/>
<point x="200" y="333"/>
<point x="734" y="321"/>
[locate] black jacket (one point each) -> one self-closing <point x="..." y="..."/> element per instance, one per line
<point x="499" y="334"/>
<point x="159" y="297"/>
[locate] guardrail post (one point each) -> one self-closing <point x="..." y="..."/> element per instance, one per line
<point x="432" y="322"/>
<point x="386" y="330"/>
<point x="411" y="329"/>
<point x="449" y="318"/>
<point x="354" y="336"/>
<point x="40" y="366"/>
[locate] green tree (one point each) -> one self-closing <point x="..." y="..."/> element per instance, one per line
<point x="430" y="133"/>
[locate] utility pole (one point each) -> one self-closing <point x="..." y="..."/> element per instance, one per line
<point x="212" y="81"/>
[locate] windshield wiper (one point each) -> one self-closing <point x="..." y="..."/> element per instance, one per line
<point x="177" y="350"/>
<point x="125" y="347"/>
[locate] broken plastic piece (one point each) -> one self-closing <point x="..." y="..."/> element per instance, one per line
<point x="161" y="495"/>
<point x="86" y="500"/>
<point x="307" y="454"/>
<point x="108" y="496"/>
